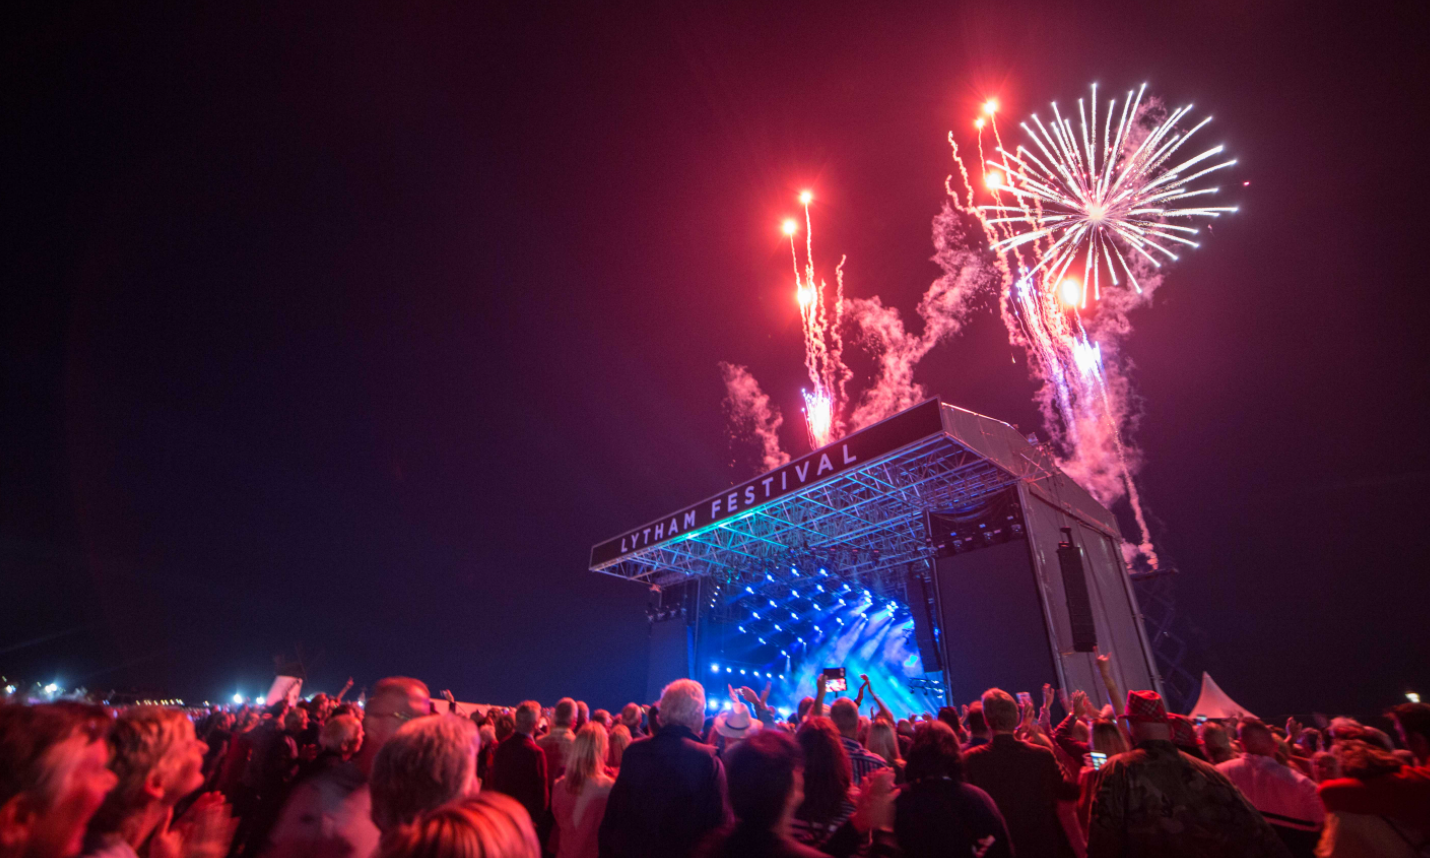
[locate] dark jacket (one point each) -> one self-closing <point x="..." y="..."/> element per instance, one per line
<point x="518" y="769"/>
<point x="1026" y="783"/>
<point x="937" y="817"/>
<point x="669" y="795"/>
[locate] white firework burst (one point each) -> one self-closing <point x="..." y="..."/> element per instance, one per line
<point x="1101" y="197"/>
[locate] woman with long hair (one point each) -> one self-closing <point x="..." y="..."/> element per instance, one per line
<point x="1109" y="741"/>
<point x="938" y="814"/>
<point x="824" y="819"/>
<point x="620" y="739"/>
<point x="578" y="799"/>
<point x="885" y="742"/>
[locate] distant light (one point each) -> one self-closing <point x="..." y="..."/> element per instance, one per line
<point x="1412" y="697"/>
<point x="791" y="226"/>
<point x="51" y="688"/>
<point x="728" y="670"/>
<point x="714" y="668"/>
<point x="261" y="701"/>
<point x="238" y="698"/>
<point x="782" y="676"/>
<point x="990" y="106"/>
<point x="805" y="197"/>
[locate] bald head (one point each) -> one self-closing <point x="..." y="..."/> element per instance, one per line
<point x="394" y="701"/>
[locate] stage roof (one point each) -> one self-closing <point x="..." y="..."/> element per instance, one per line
<point x="857" y="504"/>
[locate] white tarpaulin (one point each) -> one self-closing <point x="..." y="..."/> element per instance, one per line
<point x="284" y="688"/>
<point x="1214" y="703"/>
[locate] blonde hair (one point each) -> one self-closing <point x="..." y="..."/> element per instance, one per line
<point x="620" y="739"/>
<point x="486" y="825"/>
<point x="140" y="743"/>
<point x="587" y="758"/>
<point x="883" y="742"/>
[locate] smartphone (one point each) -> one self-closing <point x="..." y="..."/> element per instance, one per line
<point x="1097" y="759"/>
<point x="1025" y="699"/>
<point x="1201" y="719"/>
<point x="834" y="679"/>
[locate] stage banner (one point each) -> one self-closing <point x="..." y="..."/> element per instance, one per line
<point x="861" y="448"/>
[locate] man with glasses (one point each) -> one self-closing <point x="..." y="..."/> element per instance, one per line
<point x="333" y="809"/>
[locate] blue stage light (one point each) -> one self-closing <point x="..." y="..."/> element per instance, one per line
<point x="755" y="614"/>
<point x="778" y="628"/>
<point x="714" y="668"/>
<point x="742" y="671"/>
<point x="749" y="589"/>
<point x="824" y="573"/>
<point x="742" y="629"/>
<point x="727" y="670"/>
<point x="773" y="603"/>
<point x="762" y="640"/>
<point x="793" y="615"/>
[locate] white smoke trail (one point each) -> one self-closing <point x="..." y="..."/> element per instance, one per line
<point x="750" y="412"/>
<point x="896" y="351"/>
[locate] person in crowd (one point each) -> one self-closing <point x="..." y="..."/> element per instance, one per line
<point x="503" y="724"/>
<point x="330" y="813"/>
<point x="1024" y="780"/>
<point x="1412" y="721"/>
<point x="824" y="819"/>
<point x="1284" y="796"/>
<point x="583" y="715"/>
<point x="557" y="743"/>
<point x="519" y="766"/>
<point x="631" y="717"/>
<point x="620" y="739"/>
<point x="216" y="733"/>
<point x="486" y="825"/>
<point x="937" y="813"/>
<point x="1156" y="801"/>
<point x="1215" y="742"/>
<point x="428" y="762"/>
<point x="602" y="717"/>
<point x="488" y="736"/>
<point x="978" y="733"/>
<point x="578" y="799"/>
<point x="884" y="743"/>
<point x="670" y="792"/>
<point x="845" y="715"/>
<point x="54" y="774"/>
<point x="1380" y="808"/>
<point x="1108" y="740"/>
<point x="765" y="774"/>
<point x="1326" y="765"/>
<point x="271" y="769"/>
<point x="158" y="761"/>
<point x="1184" y="735"/>
<point x="732" y="727"/>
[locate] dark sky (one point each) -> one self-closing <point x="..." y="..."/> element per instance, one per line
<point x="355" y="328"/>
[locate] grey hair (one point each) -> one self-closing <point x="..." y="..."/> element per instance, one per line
<point x="683" y="702"/>
<point x="428" y="762"/>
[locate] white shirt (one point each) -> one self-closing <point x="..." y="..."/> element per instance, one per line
<point x="1283" y="795"/>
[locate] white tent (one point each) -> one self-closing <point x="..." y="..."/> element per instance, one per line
<point x="1214" y="703"/>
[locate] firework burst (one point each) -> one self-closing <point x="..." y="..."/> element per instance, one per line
<point x="1101" y="197"/>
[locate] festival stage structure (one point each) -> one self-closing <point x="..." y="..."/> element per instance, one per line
<point x="937" y="551"/>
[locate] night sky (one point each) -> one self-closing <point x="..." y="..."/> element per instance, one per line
<point x="353" y="329"/>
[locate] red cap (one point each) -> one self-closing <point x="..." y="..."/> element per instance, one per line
<point x="1145" y="707"/>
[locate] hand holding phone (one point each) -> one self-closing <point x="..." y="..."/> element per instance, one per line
<point x="834" y="679"/>
<point x="1097" y="760"/>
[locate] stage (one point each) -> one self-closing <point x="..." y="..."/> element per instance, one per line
<point x="938" y="551"/>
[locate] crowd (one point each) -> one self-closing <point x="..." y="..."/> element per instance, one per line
<point x="993" y="778"/>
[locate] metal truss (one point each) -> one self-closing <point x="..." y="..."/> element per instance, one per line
<point x="861" y="523"/>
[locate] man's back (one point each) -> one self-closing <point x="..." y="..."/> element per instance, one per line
<point x="1157" y="801"/>
<point x="556" y="745"/>
<point x="1026" y="784"/>
<point x="669" y="794"/>
<point x="519" y="770"/>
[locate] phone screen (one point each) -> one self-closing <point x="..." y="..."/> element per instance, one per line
<point x="1025" y="698"/>
<point x="834" y="679"/>
<point x="1098" y="759"/>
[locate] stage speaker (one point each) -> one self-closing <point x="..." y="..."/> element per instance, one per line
<point x="1084" y="629"/>
<point x="923" y="605"/>
<point x="993" y="623"/>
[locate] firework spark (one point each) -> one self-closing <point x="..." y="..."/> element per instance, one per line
<point x="1100" y="196"/>
<point x="822" y="321"/>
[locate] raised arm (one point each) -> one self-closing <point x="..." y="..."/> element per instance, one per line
<point x="883" y="710"/>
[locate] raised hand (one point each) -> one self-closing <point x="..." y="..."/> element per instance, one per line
<point x="204" y="832"/>
<point x="876" y="801"/>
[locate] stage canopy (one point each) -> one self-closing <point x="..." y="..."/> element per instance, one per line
<point x="857" y="504"/>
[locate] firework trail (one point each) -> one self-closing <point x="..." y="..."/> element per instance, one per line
<point x="822" y="322"/>
<point x="1107" y="200"/>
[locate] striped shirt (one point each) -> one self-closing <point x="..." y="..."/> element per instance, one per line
<point x="861" y="761"/>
